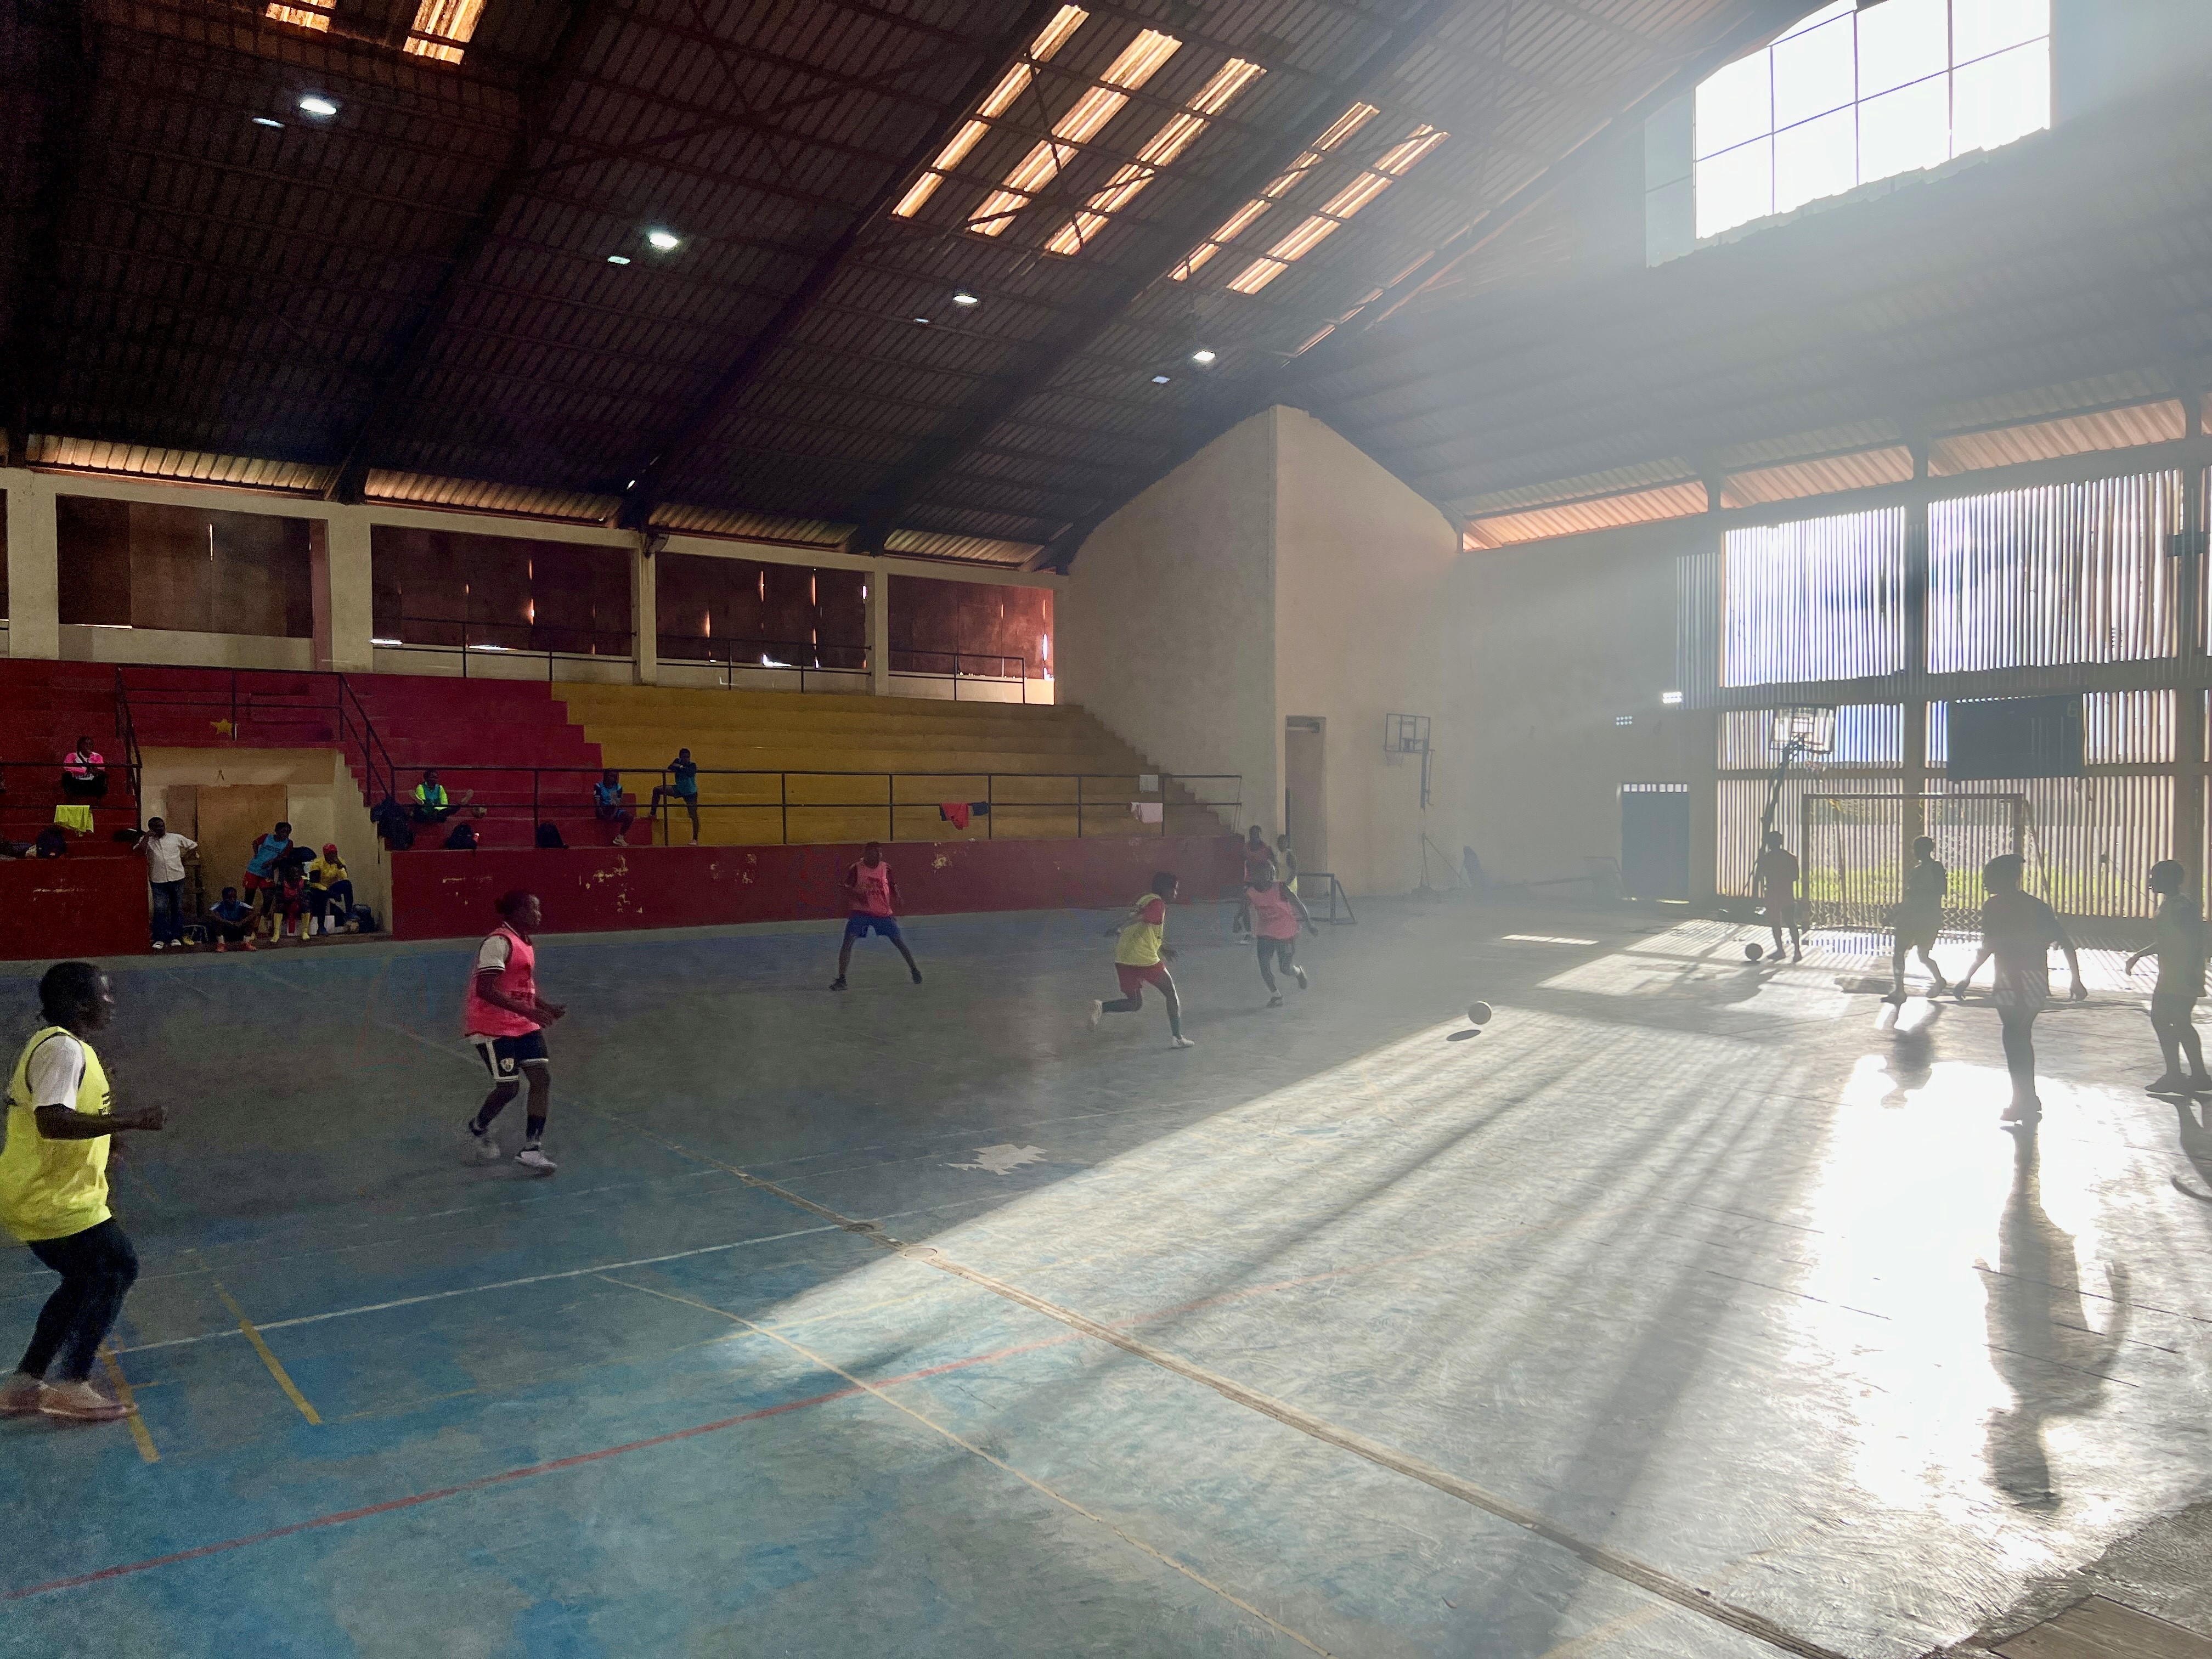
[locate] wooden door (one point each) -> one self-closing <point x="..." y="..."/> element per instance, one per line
<point x="229" y="818"/>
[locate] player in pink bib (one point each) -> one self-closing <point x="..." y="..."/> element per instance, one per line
<point x="1277" y="915"/>
<point x="505" y="1020"/>
<point x="871" y="907"/>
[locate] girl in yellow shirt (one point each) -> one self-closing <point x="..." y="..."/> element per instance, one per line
<point x="53" y="1196"/>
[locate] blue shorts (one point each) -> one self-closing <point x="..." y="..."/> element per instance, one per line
<point x="505" y="1056"/>
<point x="860" y="924"/>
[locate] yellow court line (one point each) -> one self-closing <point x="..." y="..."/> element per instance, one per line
<point x="275" y="1366"/>
<point x="138" y="1429"/>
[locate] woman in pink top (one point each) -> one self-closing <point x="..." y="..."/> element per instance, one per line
<point x="1277" y="915"/>
<point x="505" y="1019"/>
<point x="84" y="773"/>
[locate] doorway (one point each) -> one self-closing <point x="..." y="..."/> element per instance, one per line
<point x="1654" y="840"/>
<point x="229" y="817"/>
<point x="1305" y="789"/>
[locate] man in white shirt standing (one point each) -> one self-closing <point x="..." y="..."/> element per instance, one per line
<point x="164" y="874"/>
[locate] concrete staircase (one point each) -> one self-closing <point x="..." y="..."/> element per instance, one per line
<point x="811" y="768"/>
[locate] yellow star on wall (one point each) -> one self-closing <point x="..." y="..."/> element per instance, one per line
<point x="225" y="728"/>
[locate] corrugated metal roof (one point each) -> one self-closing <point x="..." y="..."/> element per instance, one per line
<point x="191" y="466"/>
<point x="380" y="287"/>
<point x="1575" y="517"/>
<point x="2044" y="440"/>
<point x="1827" y="474"/>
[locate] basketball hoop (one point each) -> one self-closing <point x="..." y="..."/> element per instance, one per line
<point x="1804" y="730"/>
<point x="1408" y="734"/>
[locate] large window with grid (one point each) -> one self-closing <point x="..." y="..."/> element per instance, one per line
<point x="1856" y="94"/>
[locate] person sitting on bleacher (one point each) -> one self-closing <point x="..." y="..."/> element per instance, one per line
<point x="84" y="773"/>
<point x="432" y="805"/>
<point x="607" y="805"/>
<point x="330" y="890"/>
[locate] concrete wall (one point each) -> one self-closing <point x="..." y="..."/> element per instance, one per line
<point x="1279" y="572"/>
<point x="439" y="895"/>
<point x="1548" y="645"/>
<point x="1360" y="565"/>
<point x="1165" y="630"/>
<point x="322" y="800"/>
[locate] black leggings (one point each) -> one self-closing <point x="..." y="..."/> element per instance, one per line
<point x="1273" y="951"/>
<point x="98" y="1268"/>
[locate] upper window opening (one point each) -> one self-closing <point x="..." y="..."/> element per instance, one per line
<point x="1393" y="165"/>
<point x="1011" y="85"/>
<point x="1170" y="141"/>
<point x="1850" y="96"/>
<point x="442" y="27"/>
<point x="1237" y="222"/>
<point x="1141" y="60"/>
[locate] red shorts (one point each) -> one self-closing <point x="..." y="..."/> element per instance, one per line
<point x="1135" y="979"/>
<point x="254" y="884"/>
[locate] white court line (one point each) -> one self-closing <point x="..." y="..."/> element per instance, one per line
<point x="476" y="1289"/>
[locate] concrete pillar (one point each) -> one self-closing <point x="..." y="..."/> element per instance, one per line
<point x="34" y="586"/>
<point x="2189" y="771"/>
<point x="1914" y="757"/>
<point x="344" y="591"/>
<point x="880" y="628"/>
<point x="645" y="616"/>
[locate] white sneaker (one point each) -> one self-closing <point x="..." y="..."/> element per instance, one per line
<point x="1300" y="974"/>
<point x="485" y="1145"/>
<point x="535" y="1161"/>
<point x="1097" y="1012"/>
<point x="158" y="946"/>
<point x="1182" y="1042"/>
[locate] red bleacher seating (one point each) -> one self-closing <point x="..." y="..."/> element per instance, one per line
<point x="45" y="707"/>
<point x="463" y="728"/>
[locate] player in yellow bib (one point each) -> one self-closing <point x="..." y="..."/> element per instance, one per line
<point x="1141" y="956"/>
<point x="53" y="1196"/>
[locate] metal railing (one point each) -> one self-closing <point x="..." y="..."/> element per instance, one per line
<point x="765" y="656"/>
<point x="958" y="673"/>
<point x="562" y="796"/>
<point x="245" y="698"/>
<point x="484" y="639"/>
<point x="30" y="790"/>
<point x="127" y="734"/>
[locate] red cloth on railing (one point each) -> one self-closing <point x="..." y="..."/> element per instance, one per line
<point x="954" y="812"/>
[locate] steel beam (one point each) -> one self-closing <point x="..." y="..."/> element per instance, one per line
<point x="388" y="408"/>
<point x="683" y="439"/>
<point x="1165" y="246"/>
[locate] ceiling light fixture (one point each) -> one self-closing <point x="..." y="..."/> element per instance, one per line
<point x="1234" y="225"/>
<point x="1139" y="61"/>
<point x="618" y="258"/>
<point x="666" y="241"/>
<point x="923" y="321"/>
<point x="264" y="121"/>
<point x="1162" y="148"/>
<point x="1203" y="356"/>
<point x="1162" y="379"/>
<point x="316" y="104"/>
<point x="963" y="297"/>
<point x="1011" y="85"/>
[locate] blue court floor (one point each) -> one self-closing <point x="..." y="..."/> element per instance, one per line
<point x="1693" y="1308"/>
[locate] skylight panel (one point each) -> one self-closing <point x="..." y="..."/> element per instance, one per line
<point x="1237" y="222"/>
<point x="299" y="17"/>
<point x="1139" y="61"/>
<point x="1011" y="85"/>
<point x="1394" y="164"/>
<point x="443" y="28"/>
<point x="1170" y="141"/>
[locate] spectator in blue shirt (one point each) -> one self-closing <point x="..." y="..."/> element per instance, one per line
<point x="685" y="790"/>
<point x="232" y="919"/>
<point x="607" y="805"/>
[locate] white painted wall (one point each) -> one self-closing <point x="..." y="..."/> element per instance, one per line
<point x="1547" y="646"/>
<point x="1361" y="562"/>
<point x="1166" y="629"/>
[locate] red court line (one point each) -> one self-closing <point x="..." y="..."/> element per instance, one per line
<point x="415" y="1500"/>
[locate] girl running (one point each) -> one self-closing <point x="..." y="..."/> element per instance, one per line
<point x="1140" y="959"/>
<point x="1277" y="914"/>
